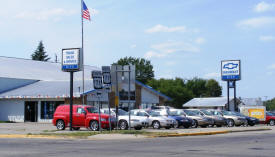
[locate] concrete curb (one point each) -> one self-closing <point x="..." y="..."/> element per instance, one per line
<point x="33" y="136"/>
<point x="149" y="136"/>
<point x="209" y="133"/>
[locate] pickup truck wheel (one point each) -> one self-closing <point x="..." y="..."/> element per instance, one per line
<point x="138" y="128"/>
<point x="245" y="123"/>
<point x="176" y="124"/>
<point x="60" y="125"/>
<point x="230" y="123"/>
<point x="156" y="125"/>
<point x="76" y="128"/>
<point x="195" y="124"/>
<point x="94" y="125"/>
<point x="123" y="125"/>
<point x="271" y="122"/>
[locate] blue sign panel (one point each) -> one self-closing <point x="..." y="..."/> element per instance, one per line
<point x="231" y="70"/>
<point x="71" y="59"/>
<point x="66" y="67"/>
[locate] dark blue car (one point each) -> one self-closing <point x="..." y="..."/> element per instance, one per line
<point x="180" y="120"/>
<point x="250" y="120"/>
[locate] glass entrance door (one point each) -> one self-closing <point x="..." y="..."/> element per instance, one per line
<point x="31" y="111"/>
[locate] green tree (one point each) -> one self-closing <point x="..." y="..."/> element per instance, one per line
<point x="197" y="86"/>
<point x="174" y="88"/>
<point x="144" y="68"/>
<point x="40" y="54"/>
<point x="270" y="104"/>
<point x="213" y="89"/>
<point x="182" y="91"/>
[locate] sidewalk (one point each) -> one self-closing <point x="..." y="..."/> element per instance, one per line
<point x="32" y="130"/>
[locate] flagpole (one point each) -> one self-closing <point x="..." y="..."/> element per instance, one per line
<point x="82" y="52"/>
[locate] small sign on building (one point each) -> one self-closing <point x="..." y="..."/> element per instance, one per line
<point x="231" y="70"/>
<point x="72" y="59"/>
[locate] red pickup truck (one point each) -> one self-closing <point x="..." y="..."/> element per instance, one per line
<point x="83" y="116"/>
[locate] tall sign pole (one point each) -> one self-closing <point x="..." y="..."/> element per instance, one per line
<point x="231" y="72"/>
<point x="129" y="98"/>
<point x="71" y="62"/>
<point x="82" y="45"/>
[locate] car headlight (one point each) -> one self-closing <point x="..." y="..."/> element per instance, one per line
<point x="104" y="119"/>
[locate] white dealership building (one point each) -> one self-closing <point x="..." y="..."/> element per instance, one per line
<point x="31" y="90"/>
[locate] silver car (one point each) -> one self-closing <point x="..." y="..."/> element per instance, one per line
<point x="218" y="119"/>
<point x="157" y="120"/>
<point x="123" y="119"/>
<point x="209" y="118"/>
<point x="198" y="119"/>
<point x="233" y="119"/>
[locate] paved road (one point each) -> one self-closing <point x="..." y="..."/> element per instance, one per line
<point x="245" y="144"/>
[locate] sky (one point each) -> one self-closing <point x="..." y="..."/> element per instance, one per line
<point x="181" y="38"/>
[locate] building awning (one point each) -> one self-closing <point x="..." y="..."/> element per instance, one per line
<point x="48" y="89"/>
<point x="207" y="102"/>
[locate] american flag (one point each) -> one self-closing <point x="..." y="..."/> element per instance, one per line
<point x="85" y="12"/>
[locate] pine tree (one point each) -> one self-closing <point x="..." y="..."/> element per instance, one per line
<point x="40" y="54"/>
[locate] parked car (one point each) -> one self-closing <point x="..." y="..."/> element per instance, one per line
<point x="178" y="119"/>
<point x="157" y="120"/>
<point x="83" y="116"/>
<point x="270" y="119"/>
<point x="250" y="120"/>
<point x="233" y="119"/>
<point x="219" y="120"/>
<point x="198" y="112"/>
<point x="198" y="119"/>
<point x="161" y="107"/>
<point x="142" y="115"/>
<point x="123" y="119"/>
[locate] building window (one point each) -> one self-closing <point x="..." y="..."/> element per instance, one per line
<point x="48" y="108"/>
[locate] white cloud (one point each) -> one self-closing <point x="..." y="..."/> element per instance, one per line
<point x="257" y="22"/>
<point x="133" y="46"/>
<point x="272" y="67"/>
<point x="263" y="7"/>
<point x="171" y="47"/>
<point x="170" y="63"/>
<point x="164" y="49"/>
<point x="94" y="12"/>
<point x="267" y="38"/>
<point x="269" y="73"/>
<point x="200" y="40"/>
<point x="45" y="14"/>
<point x="212" y="75"/>
<point x="161" y="28"/>
<point x="153" y="54"/>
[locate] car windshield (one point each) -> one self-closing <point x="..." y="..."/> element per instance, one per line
<point x="208" y="113"/>
<point x="228" y="113"/>
<point x="92" y="110"/>
<point x="142" y="114"/>
<point x="191" y="113"/>
<point x="174" y="113"/>
<point x="269" y="114"/>
<point x="155" y="114"/>
<point x="196" y="112"/>
<point x="120" y="112"/>
<point x="238" y="114"/>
